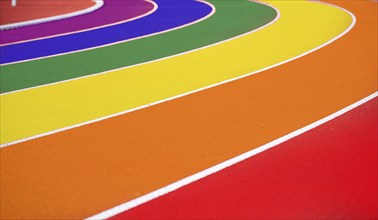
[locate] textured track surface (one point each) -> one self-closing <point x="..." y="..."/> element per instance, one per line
<point x="29" y="10"/>
<point x="227" y="22"/>
<point x="132" y="149"/>
<point x="185" y="11"/>
<point x="121" y="90"/>
<point x="113" y="11"/>
<point x="337" y="157"/>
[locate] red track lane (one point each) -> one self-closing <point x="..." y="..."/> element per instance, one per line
<point x="35" y="9"/>
<point x="329" y="172"/>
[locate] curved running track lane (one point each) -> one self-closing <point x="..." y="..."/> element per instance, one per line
<point x="113" y="12"/>
<point x="329" y="172"/>
<point x="212" y="126"/>
<point x="116" y="160"/>
<point x="44" y="109"/>
<point x="228" y="21"/>
<point x="170" y="14"/>
<point x="31" y="10"/>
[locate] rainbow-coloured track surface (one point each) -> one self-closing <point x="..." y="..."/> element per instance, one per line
<point x="28" y="10"/>
<point x="31" y="13"/>
<point x="113" y="12"/>
<point x="184" y="109"/>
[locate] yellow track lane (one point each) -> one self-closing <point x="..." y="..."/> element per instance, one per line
<point x="303" y="25"/>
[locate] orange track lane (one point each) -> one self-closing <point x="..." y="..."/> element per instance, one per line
<point x="35" y="9"/>
<point x="83" y="170"/>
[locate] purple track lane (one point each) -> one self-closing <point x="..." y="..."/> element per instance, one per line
<point x="113" y="11"/>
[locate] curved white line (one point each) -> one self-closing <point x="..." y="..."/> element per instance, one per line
<point x="98" y="4"/>
<point x="190" y="179"/>
<point x="155" y="7"/>
<point x="194" y="91"/>
<point x="174" y="186"/>
<point x="178" y="184"/>
<point x="144" y="106"/>
<point x="123" y="41"/>
<point x="163" y="58"/>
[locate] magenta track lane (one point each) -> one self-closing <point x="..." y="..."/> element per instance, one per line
<point x="113" y="11"/>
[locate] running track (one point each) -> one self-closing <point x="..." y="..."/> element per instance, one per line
<point x="44" y="9"/>
<point x="246" y="17"/>
<point x="167" y="78"/>
<point x="187" y="135"/>
<point x="111" y="13"/>
<point x="164" y="18"/>
<point x="271" y="185"/>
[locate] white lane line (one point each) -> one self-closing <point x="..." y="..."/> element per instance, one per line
<point x="174" y="186"/>
<point x="95" y="74"/>
<point x="98" y="4"/>
<point x="163" y="58"/>
<point x="187" y="93"/>
<point x="155" y="7"/>
<point x="190" y="179"/>
<point x="123" y="41"/>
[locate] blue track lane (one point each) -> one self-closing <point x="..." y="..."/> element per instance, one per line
<point x="170" y="14"/>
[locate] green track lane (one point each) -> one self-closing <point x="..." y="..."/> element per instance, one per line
<point x="231" y="19"/>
